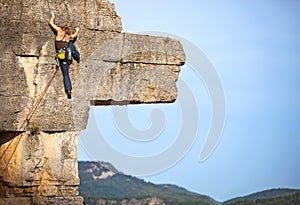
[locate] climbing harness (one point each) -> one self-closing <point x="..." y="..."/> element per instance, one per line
<point x="61" y="54"/>
<point x="64" y="54"/>
<point x="28" y="117"/>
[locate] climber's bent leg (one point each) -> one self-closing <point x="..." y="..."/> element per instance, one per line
<point x="75" y="53"/>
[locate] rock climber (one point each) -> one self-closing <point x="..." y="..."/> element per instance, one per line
<point x="65" y="50"/>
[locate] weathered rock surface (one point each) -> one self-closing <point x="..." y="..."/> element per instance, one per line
<point x="42" y="169"/>
<point x="115" y="68"/>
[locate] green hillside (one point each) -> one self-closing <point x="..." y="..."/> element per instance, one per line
<point x="101" y="183"/>
<point x="269" y="197"/>
<point x="94" y="185"/>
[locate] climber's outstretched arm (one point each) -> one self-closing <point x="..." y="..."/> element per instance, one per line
<point x="74" y="35"/>
<point x="53" y="25"/>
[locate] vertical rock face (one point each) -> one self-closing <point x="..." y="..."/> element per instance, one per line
<point x="39" y="164"/>
<point x="42" y="169"/>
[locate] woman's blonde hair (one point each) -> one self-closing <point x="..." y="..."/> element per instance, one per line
<point x="66" y="29"/>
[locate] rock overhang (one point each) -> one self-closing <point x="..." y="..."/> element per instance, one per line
<point x="116" y="67"/>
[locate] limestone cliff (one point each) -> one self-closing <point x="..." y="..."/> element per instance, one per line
<point x="116" y="67"/>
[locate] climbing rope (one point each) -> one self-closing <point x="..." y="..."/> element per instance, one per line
<point x="26" y="120"/>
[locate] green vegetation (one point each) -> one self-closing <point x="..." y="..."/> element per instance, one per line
<point x="121" y="187"/>
<point x="121" y="61"/>
<point x="269" y="197"/>
<point x="34" y="128"/>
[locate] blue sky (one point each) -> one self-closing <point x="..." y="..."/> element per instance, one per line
<point x="255" y="49"/>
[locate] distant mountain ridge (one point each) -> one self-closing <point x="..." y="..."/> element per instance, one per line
<point x="101" y="183"/>
<point x="268" y="194"/>
<point x="280" y="196"/>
